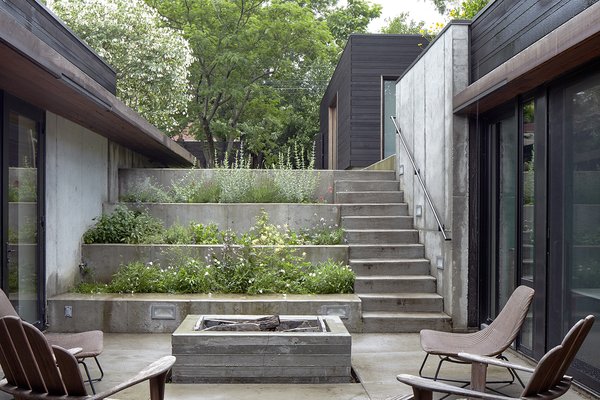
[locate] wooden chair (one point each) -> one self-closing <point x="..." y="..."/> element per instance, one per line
<point x="548" y="379"/>
<point x="90" y="343"/>
<point x="35" y="370"/>
<point x="489" y="342"/>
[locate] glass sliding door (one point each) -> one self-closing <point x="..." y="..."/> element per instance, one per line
<point x="388" y="108"/>
<point x="22" y="265"/>
<point x="575" y="271"/>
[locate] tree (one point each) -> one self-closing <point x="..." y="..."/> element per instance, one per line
<point x="353" y="18"/>
<point x="151" y="60"/>
<point x="239" y="47"/>
<point x="402" y="25"/>
<point x="457" y="9"/>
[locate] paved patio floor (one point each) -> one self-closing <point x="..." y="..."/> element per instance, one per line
<point x="376" y="358"/>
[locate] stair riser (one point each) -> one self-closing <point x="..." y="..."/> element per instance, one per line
<point x="369" y="197"/>
<point x="377" y="223"/>
<point x="394" y="286"/>
<point x="402" y="305"/>
<point x="365" y="175"/>
<point x="382" y="252"/>
<point x="407" y="237"/>
<point x="404" y="325"/>
<point x="365" y="186"/>
<point x="387" y="210"/>
<point x="378" y="269"/>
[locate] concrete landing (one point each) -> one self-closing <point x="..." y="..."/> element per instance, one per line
<point x="377" y="359"/>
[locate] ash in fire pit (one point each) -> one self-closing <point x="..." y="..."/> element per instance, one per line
<point x="270" y="323"/>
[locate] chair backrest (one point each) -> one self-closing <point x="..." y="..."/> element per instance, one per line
<point x="32" y="366"/>
<point x="548" y="379"/>
<point x="508" y="323"/>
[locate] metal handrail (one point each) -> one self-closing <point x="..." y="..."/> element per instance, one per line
<point x="418" y="174"/>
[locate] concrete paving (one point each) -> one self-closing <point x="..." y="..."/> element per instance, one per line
<point x="376" y="358"/>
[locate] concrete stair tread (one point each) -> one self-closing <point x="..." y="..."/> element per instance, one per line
<point x="399" y="295"/>
<point x="386" y="245"/>
<point x="380" y="230"/>
<point x="396" y="277"/>
<point x="364" y="180"/>
<point x="367" y="217"/>
<point x="372" y="204"/>
<point x="371" y="192"/>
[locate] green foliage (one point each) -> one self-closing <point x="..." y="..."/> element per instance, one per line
<point x="189" y="190"/>
<point x="402" y="25"/>
<point x="146" y="191"/>
<point x="330" y="277"/>
<point x="296" y="185"/>
<point x="24" y="189"/>
<point x="353" y="18"/>
<point x="124" y="226"/>
<point x="206" y="234"/>
<point x="468" y="9"/>
<point x="151" y="60"/>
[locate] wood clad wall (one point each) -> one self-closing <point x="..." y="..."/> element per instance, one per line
<point x="42" y="24"/>
<point x="507" y="27"/>
<point x="357" y="83"/>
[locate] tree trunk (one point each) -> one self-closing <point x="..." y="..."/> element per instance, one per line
<point x="210" y="143"/>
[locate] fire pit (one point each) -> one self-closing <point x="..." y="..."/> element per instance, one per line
<point x="252" y="349"/>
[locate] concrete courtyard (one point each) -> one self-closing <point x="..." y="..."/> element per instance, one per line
<point x="376" y="358"/>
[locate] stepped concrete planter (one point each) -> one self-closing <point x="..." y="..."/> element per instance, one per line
<point x="262" y="357"/>
<point x="165" y="177"/>
<point x="103" y="260"/>
<point x="240" y="217"/>
<point x="163" y="313"/>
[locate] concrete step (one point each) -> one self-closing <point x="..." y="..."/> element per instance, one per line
<point x="365" y="186"/>
<point x="369" y="197"/>
<point x="385" y="210"/>
<point x="374" y="267"/>
<point x="370" y="222"/>
<point x="381" y="236"/>
<point x="387" y="251"/>
<point x="394" y="284"/>
<point x="360" y="175"/>
<point x="402" y="302"/>
<point x="404" y="322"/>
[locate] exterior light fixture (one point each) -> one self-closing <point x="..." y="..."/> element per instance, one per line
<point x="419" y="211"/>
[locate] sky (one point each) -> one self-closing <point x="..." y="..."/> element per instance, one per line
<point x="418" y="10"/>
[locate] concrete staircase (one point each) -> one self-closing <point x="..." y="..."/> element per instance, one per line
<point x="392" y="275"/>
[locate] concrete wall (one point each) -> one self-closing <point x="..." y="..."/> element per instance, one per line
<point x="81" y="174"/>
<point x="439" y="142"/>
<point x="76" y="187"/>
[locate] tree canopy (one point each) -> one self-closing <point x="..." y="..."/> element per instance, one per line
<point x="151" y="60"/>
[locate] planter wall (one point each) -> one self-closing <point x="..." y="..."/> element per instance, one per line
<point x="103" y="260"/>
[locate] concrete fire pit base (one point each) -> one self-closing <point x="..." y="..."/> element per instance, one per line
<point x="261" y="357"/>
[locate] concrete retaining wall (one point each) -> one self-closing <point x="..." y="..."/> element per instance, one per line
<point x="103" y="260"/>
<point x="163" y="313"/>
<point x="438" y="140"/>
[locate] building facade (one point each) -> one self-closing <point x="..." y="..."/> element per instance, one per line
<point x="64" y="137"/>
<point x="354" y="132"/>
<point x="502" y="115"/>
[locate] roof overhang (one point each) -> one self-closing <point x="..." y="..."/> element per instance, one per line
<point x="571" y="45"/>
<point x="38" y="74"/>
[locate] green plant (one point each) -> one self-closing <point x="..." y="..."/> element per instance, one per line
<point x="190" y="190"/>
<point x="146" y="191"/>
<point x="124" y="226"/>
<point x="325" y="233"/>
<point x="205" y="234"/>
<point x="330" y="277"/>
<point x="24" y="189"/>
<point x="294" y="178"/>
<point x="177" y="234"/>
<point x="137" y="277"/>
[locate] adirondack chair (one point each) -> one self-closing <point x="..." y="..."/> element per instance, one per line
<point x="548" y="379"/>
<point x="35" y="370"/>
<point x="90" y="343"/>
<point x="490" y="341"/>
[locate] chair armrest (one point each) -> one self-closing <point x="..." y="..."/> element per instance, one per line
<point x="493" y="361"/>
<point x="440" y="387"/>
<point x="75" y="350"/>
<point x="161" y="366"/>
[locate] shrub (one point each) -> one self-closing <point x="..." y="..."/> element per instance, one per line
<point x="125" y="226"/>
<point x="330" y="277"/>
<point x="146" y="191"/>
<point x="296" y="185"/>
<point x="177" y="234"/>
<point x="190" y="190"/>
<point x="138" y="277"/>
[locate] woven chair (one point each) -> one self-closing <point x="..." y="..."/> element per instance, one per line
<point x="35" y="370"/>
<point x="489" y="342"/>
<point x="90" y="343"/>
<point x="547" y="381"/>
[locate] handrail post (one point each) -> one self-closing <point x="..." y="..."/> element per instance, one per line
<point x="420" y="179"/>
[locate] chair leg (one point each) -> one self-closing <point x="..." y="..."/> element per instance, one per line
<point x="423" y="365"/>
<point x="87" y="373"/>
<point x="99" y="368"/>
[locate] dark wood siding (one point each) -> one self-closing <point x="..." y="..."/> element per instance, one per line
<point x="509" y="26"/>
<point x="47" y="28"/>
<point x="357" y="83"/>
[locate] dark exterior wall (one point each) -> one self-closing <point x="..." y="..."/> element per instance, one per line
<point x="357" y="81"/>
<point x="37" y="19"/>
<point x="507" y="27"/>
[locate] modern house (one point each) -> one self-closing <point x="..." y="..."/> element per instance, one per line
<point x="64" y="137"/>
<point x="502" y="117"/>
<point x="353" y="132"/>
